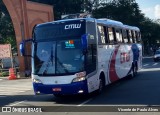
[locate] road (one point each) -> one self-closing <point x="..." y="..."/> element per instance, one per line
<point x="143" y="90"/>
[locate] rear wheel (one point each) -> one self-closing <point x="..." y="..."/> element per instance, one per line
<point x="133" y="71"/>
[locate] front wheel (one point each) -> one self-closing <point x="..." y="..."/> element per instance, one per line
<point x="101" y="85"/>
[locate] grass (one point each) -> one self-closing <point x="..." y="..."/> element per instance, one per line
<point x="4" y="74"/>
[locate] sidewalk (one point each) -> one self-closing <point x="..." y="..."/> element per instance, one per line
<point x="6" y="78"/>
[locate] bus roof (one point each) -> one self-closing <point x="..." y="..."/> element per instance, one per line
<point x="131" y="27"/>
<point x="103" y="21"/>
<point x="109" y="22"/>
<point x="65" y="20"/>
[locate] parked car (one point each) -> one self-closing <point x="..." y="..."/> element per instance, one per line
<point x="157" y="55"/>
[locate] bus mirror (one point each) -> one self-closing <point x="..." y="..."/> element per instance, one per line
<point x="84" y="43"/>
<point x="22" y="49"/>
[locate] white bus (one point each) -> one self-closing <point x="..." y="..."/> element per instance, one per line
<point x="79" y="56"/>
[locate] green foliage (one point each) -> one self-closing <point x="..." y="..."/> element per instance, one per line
<point x="62" y="7"/>
<point x="7" y="34"/>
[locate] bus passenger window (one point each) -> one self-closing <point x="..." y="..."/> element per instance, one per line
<point x="125" y="36"/>
<point x="138" y="34"/>
<point x="118" y="35"/>
<point x="111" y="35"/>
<point x="91" y="58"/>
<point x="133" y="36"/>
<point x="101" y="35"/>
<point x="130" y="36"/>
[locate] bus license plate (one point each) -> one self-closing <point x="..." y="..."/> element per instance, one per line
<point x="56" y="89"/>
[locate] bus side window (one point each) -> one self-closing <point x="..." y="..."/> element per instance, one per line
<point x="101" y="35"/>
<point x="111" y="35"/>
<point x="133" y="36"/>
<point x="125" y="36"/>
<point x="129" y="36"/>
<point x="138" y="37"/>
<point x="106" y="34"/>
<point x="91" y="58"/>
<point x="118" y="36"/>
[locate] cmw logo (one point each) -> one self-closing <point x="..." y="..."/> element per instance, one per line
<point x="72" y="26"/>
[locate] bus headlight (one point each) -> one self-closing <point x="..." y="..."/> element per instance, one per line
<point x="77" y="79"/>
<point x="37" y="81"/>
<point x="80" y="77"/>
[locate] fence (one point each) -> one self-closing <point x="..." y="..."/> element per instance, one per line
<point x="5" y="72"/>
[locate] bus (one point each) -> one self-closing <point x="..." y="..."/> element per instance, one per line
<point x="80" y="56"/>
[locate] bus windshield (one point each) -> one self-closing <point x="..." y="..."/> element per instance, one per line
<point x="58" y="57"/>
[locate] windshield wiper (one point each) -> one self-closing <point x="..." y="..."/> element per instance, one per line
<point x="49" y="60"/>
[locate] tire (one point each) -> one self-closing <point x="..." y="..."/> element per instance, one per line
<point x="101" y="85"/>
<point x="133" y="72"/>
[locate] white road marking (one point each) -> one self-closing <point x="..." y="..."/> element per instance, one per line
<point x="16" y="103"/>
<point x="2" y="96"/>
<point x="85" y="102"/>
<point x="3" y="91"/>
<point x="152" y="69"/>
<point x="13" y="89"/>
<point x="155" y="64"/>
<point x="145" y="64"/>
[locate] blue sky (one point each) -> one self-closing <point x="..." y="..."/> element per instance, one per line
<point x="151" y="8"/>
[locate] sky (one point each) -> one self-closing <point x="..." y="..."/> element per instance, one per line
<point x="151" y="8"/>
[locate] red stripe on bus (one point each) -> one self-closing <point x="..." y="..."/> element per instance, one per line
<point x="112" y="70"/>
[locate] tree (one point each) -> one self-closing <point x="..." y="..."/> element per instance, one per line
<point x="62" y="7"/>
<point x="7" y="34"/>
<point x="128" y="12"/>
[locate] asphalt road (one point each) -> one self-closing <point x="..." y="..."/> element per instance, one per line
<point x="141" y="91"/>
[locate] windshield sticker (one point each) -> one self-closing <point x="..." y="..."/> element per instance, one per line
<point x="69" y="44"/>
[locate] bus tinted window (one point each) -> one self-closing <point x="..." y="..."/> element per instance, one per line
<point x="130" y="36"/>
<point x="125" y="36"/>
<point x="111" y="35"/>
<point x="60" y="31"/>
<point x="101" y="35"/>
<point x="91" y="58"/>
<point x="138" y="37"/>
<point x="133" y="36"/>
<point x="118" y="35"/>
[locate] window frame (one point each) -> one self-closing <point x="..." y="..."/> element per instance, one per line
<point x="106" y="41"/>
<point x="119" y="30"/>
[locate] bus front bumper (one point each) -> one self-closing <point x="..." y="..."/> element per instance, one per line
<point x="62" y="89"/>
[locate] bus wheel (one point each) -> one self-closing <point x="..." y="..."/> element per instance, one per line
<point x="101" y="85"/>
<point x="133" y="72"/>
